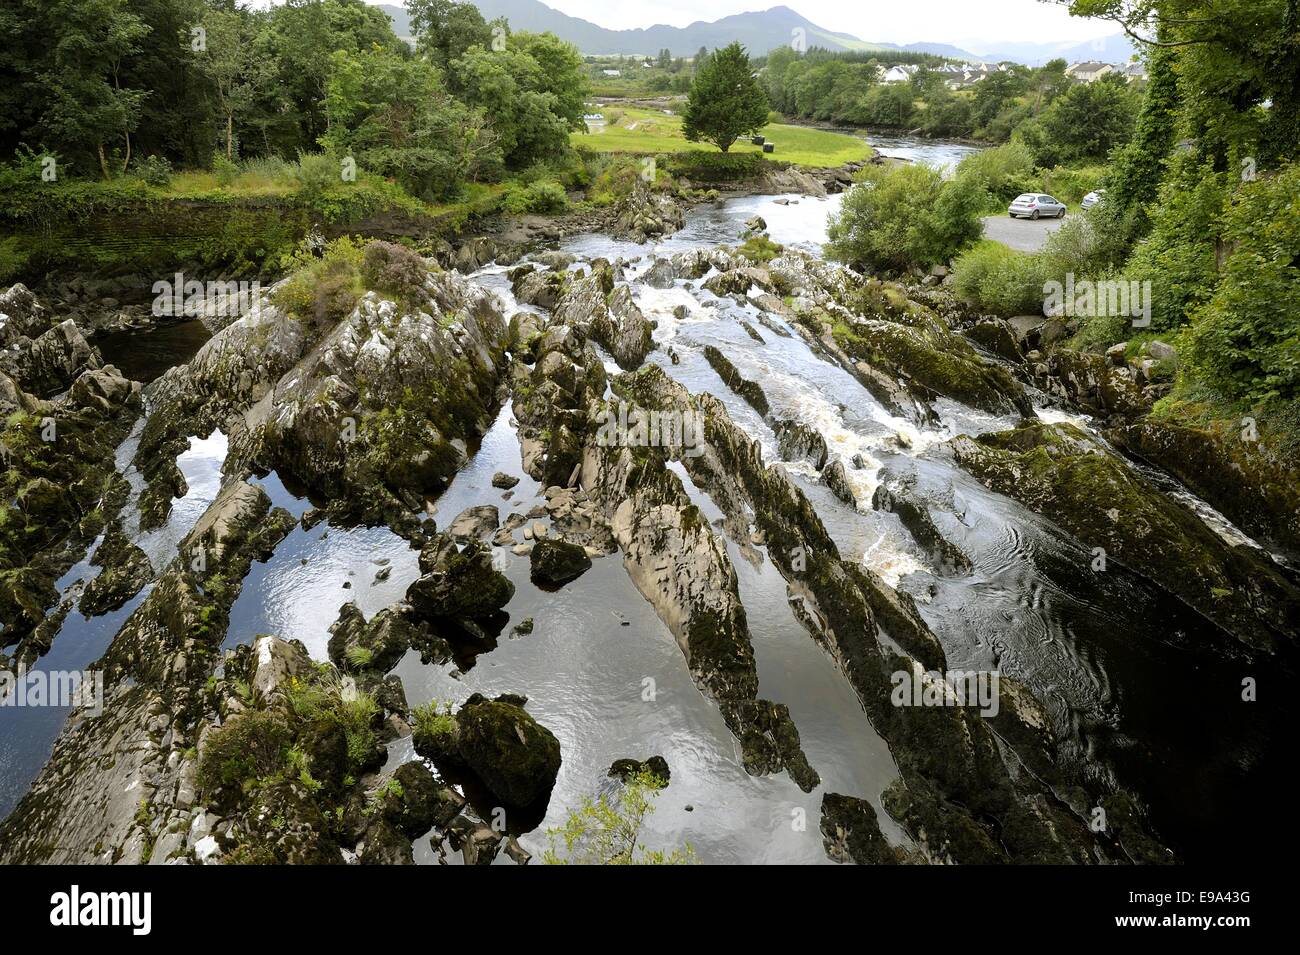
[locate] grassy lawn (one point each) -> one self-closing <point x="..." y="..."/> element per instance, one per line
<point x="635" y="130"/>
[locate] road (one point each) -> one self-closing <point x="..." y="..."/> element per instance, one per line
<point x="1025" y="235"/>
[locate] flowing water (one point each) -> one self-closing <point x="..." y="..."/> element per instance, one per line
<point x="1122" y="667"/>
<point x="942" y="155"/>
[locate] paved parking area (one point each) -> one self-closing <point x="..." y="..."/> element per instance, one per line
<point x="1025" y="235"/>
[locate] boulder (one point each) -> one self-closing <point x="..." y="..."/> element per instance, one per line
<point x="478" y="522"/>
<point x="555" y="562"/>
<point x="655" y="766"/>
<point x="461" y="584"/>
<point x="800" y="442"/>
<point x="851" y="833"/>
<point x="516" y="757"/>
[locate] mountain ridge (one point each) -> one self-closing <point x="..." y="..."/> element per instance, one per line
<point x="760" y="31"/>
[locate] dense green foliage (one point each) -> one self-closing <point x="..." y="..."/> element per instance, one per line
<point x="1062" y="120"/>
<point x="107" y="88"/>
<point x="1246" y="339"/>
<point x="905" y="216"/>
<point x="1200" y="204"/>
<point x="725" y="101"/>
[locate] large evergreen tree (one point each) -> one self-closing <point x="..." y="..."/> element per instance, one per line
<point x="725" y="101"/>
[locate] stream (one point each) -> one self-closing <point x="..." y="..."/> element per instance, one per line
<point x="1121" y="666"/>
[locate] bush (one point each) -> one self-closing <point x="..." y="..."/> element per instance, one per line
<point x="999" y="280"/>
<point x="317" y="172"/>
<point x="322" y="289"/>
<point x="713" y="167"/>
<point x="1003" y="171"/>
<point x="154" y="170"/>
<point x="1179" y="255"/>
<point x="249" y="746"/>
<point x="542" y="197"/>
<point x="225" y="170"/>
<point x="759" y="248"/>
<point x="903" y="217"/>
<point x="1072" y="183"/>
<point x="395" y="270"/>
<point x="1245" y="340"/>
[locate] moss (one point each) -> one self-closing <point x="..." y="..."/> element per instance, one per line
<point x="751" y="391"/>
<point x="1060" y="472"/>
<point x="940" y="362"/>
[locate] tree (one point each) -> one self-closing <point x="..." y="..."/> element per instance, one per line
<point x="225" y="60"/>
<point x="725" y="101"/>
<point x="445" y="29"/>
<point x="393" y="116"/>
<point x="532" y="91"/>
<point x="906" y="216"/>
<point x="89" y="105"/>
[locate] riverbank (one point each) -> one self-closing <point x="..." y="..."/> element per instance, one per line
<point x="896" y="416"/>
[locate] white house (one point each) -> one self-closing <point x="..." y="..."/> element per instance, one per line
<point x="1088" y="72"/>
<point x="899" y="74"/>
<point x="612" y="72"/>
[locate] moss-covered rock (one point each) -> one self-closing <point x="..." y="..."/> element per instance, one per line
<point x="1063" y="474"/>
<point x="462" y="584"/>
<point x="517" y="758"/>
<point x="751" y="391"/>
<point x="1252" y="482"/>
<point x="851" y="833"/>
<point x="555" y="562"/>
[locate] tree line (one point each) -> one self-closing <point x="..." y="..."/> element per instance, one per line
<point x="106" y="85"/>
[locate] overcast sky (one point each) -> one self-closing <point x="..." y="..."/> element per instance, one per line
<point x="889" y="21"/>
<point x="961" y="22"/>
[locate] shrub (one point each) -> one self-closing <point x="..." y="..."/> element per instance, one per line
<point x="1179" y="255"/>
<point x="249" y="746"/>
<point x="1245" y="340"/>
<point x="713" y="167"/>
<point x="154" y="170"/>
<point x="1072" y="183"/>
<point x="1003" y="171"/>
<point x="607" y="830"/>
<point x="759" y="248"/>
<point x="225" y="170"/>
<point x="317" y="172"/>
<point x="395" y="270"/>
<point x="999" y="280"/>
<point x="906" y="216"/>
<point x="322" y="289"/>
<point x="543" y="197"/>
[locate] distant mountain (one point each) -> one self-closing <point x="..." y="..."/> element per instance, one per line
<point x="1111" y="49"/>
<point x="760" y="32"/>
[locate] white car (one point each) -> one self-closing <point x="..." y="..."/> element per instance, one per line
<point x="1092" y="198"/>
<point x="1035" y="205"/>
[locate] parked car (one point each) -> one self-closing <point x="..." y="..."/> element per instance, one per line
<point x="1035" y="206"/>
<point x="1092" y="198"/>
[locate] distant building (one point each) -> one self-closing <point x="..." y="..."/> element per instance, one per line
<point x="899" y="74"/>
<point x="1134" y="71"/>
<point x="1088" y="72"/>
<point x="612" y="72"/>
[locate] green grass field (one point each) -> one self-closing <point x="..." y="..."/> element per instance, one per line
<point x="636" y="130"/>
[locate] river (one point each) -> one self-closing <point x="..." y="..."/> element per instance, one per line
<point x="1118" y="663"/>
